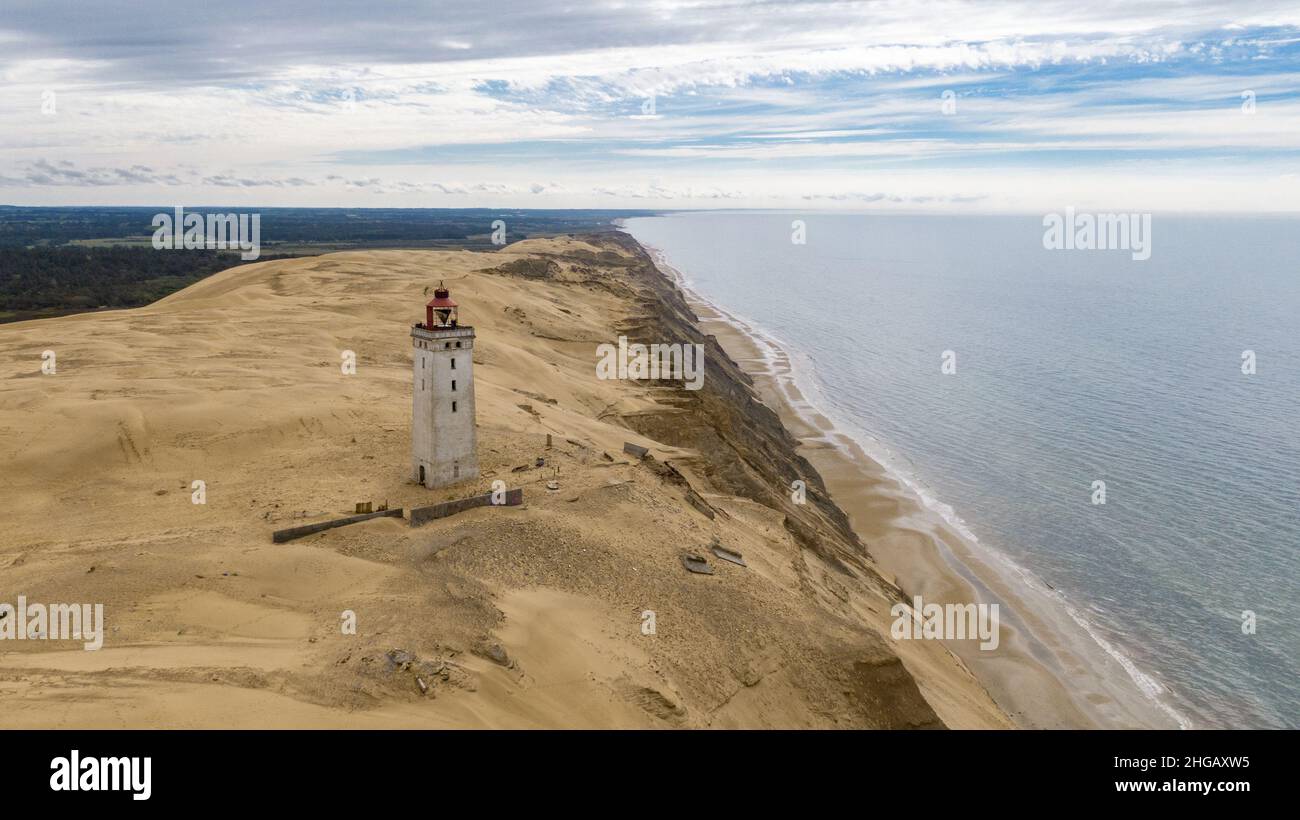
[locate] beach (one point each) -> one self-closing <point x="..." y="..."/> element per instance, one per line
<point x="1048" y="672"/>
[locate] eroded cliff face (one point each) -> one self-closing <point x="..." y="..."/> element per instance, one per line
<point x="742" y="447"/>
<point x="736" y="446"/>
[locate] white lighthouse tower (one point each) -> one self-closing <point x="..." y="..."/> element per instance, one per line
<point x="443" y="441"/>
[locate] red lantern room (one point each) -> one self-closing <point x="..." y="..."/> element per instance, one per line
<point x="441" y="310"/>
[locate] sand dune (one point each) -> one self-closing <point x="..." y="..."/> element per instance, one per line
<point x="517" y="617"/>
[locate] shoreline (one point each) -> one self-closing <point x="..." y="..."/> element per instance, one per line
<point x="1050" y="670"/>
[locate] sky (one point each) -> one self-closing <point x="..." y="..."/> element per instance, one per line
<point x="992" y="106"/>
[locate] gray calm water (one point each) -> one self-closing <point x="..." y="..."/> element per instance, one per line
<point x="1072" y="366"/>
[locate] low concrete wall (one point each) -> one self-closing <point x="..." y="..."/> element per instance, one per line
<point x="423" y="515"/>
<point x="634" y="449"/>
<point x="280" y="536"/>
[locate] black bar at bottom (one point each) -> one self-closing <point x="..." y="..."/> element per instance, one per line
<point x="419" y="770"/>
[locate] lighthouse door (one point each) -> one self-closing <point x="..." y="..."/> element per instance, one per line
<point x="421" y="473"/>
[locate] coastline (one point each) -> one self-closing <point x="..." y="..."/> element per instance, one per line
<point x="1050" y="670"/>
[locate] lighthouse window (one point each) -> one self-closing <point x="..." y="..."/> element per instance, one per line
<point x="453" y="407"/>
<point x="457" y="344"/>
<point x="453" y="384"/>
<point x="447" y="345"/>
<point x="453" y="364"/>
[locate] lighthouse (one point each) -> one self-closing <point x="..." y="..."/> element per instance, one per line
<point x="443" y="441"/>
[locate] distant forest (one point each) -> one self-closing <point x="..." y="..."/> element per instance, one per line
<point x="66" y="260"/>
<point x="25" y="227"/>
<point x="48" y="281"/>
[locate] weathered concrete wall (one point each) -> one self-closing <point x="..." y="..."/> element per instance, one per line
<point x="634" y="449"/>
<point x="443" y="441"/>
<point x="423" y="515"/>
<point x="280" y="536"/>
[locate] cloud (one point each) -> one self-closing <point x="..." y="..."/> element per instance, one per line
<point x="231" y="181"/>
<point x="254" y="39"/>
<point x="526" y="99"/>
<point x="66" y="173"/>
<point x="895" y="198"/>
<point x="654" y="191"/>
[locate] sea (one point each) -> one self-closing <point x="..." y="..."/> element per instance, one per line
<point x="1125" y="430"/>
